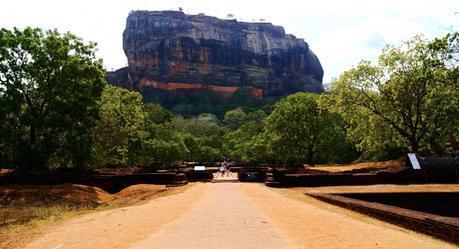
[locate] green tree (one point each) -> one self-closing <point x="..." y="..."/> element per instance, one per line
<point x="121" y="129"/>
<point x="161" y="151"/>
<point x="200" y="149"/>
<point x="202" y="136"/>
<point x="161" y="144"/>
<point x="299" y="131"/>
<point x="413" y="90"/>
<point x="50" y="84"/>
<point x="156" y="114"/>
<point x="240" y="143"/>
<point x="234" y="119"/>
<point x="374" y="141"/>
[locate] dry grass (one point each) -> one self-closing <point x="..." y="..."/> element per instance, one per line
<point x="380" y="188"/>
<point x="27" y="211"/>
<point x="386" y="165"/>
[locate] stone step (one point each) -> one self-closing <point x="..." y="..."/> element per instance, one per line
<point x="225" y="180"/>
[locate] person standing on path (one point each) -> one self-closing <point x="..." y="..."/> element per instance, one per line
<point x="228" y="170"/>
<point x="222" y="170"/>
<point x="226" y="166"/>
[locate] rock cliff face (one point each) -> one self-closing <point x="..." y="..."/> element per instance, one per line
<point x="170" y="51"/>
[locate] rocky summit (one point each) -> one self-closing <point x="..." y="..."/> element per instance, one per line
<point x="174" y="53"/>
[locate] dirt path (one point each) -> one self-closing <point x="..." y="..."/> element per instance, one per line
<point x="223" y="219"/>
<point x="230" y="215"/>
<point x="121" y="227"/>
<point x="312" y="224"/>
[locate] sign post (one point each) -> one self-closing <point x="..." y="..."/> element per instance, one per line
<point x="414" y="161"/>
<point x="199" y="168"/>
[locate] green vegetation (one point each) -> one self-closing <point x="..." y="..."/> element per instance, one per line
<point x="244" y="139"/>
<point x="120" y="130"/>
<point x="56" y="110"/>
<point x="132" y="133"/>
<point x="408" y="101"/>
<point x="206" y="101"/>
<point x="201" y="135"/>
<point x="50" y="84"/>
<point x="298" y="131"/>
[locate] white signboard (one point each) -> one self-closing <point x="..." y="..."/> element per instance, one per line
<point x="199" y="168"/>
<point x="414" y="161"/>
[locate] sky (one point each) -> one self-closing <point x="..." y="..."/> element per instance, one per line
<point x="340" y="33"/>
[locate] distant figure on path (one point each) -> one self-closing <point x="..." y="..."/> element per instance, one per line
<point x="222" y="170"/>
<point x="225" y="164"/>
<point x="228" y="170"/>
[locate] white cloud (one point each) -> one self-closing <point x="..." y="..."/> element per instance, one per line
<point x="342" y="48"/>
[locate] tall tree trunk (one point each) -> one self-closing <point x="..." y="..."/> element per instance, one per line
<point x="311" y="156"/>
<point x="414" y="146"/>
<point x="27" y="158"/>
<point x="32" y="148"/>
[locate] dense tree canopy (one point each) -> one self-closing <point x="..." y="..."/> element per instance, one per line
<point x="120" y="130"/>
<point x="234" y="118"/>
<point x="202" y="136"/>
<point x="240" y="141"/>
<point x="131" y="133"/>
<point x="299" y="131"/>
<point x="49" y="87"/>
<point x="412" y="94"/>
<point x="161" y="144"/>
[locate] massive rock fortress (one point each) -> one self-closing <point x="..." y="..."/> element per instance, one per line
<point x="172" y="51"/>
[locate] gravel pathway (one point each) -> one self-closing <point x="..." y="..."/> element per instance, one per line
<point x="223" y="219"/>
